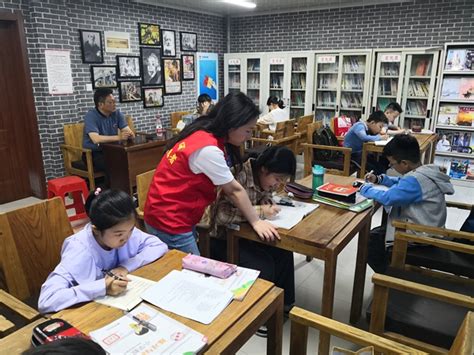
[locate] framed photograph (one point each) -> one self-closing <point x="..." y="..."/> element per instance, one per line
<point x="149" y="34"/>
<point x="130" y="91"/>
<point x="153" y="97"/>
<point x="172" y="70"/>
<point x="91" y="46"/>
<point x="128" y="67"/>
<point x="169" y="43"/>
<point x="207" y="75"/>
<point x="188" y="41"/>
<point x="117" y="42"/>
<point x="104" y="76"/>
<point x="188" y="66"/>
<point x="151" y="66"/>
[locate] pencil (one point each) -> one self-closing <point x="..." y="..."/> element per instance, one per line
<point x="111" y="274"/>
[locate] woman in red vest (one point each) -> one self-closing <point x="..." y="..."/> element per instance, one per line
<point x="187" y="177"/>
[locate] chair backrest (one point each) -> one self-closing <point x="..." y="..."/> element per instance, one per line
<point x="176" y="116"/>
<point x="284" y="129"/>
<point x="143" y="185"/>
<point x="303" y="123"/>
<point x="311" y="128"/>
<point x="73" y="136"/>
<point x="130" y="123"/>
<point x="30" y="245"/>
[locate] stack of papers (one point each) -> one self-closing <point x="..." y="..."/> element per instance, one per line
<point x="383" y="142"/>
<point x="290" y="216"/>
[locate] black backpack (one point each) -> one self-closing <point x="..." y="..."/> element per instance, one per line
<point x="324" y="136"/>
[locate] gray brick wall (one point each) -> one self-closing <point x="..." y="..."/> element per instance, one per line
<point x="54" y="24"/>
<point x="418" y="23"/>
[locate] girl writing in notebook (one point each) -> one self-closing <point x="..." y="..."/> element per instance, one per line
<point x="187" y="176"/>
<point x="96" y="261"/>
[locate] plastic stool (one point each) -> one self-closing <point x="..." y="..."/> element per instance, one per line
<point x="74" y="185"/>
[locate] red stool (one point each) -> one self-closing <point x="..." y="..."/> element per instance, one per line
<point x="74" y="185"/>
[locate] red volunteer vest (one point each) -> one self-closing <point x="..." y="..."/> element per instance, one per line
<point x="177" y="197"/>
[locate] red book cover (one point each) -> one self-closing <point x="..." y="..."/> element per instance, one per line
<point x="342" y="190"/>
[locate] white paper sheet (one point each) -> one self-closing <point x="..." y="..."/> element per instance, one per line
<point x="383" y="142"/>
<point x="289" y="216"/>
<point x="189" y="296"/>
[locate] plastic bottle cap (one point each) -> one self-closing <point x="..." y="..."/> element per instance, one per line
<point x="318" y="170"/>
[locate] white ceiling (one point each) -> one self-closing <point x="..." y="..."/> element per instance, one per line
<point x="219" y="8"/>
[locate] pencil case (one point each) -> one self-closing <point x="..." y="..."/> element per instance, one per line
<point x="54" y="329"/>
<point x="299" y="190"/>
<point x="208" y="266"/>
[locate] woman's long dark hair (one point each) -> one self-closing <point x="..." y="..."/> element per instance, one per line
<point x="233" y="111"/>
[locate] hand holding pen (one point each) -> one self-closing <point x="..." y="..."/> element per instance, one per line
<point x="371" y="177"/>
<point x="115" y="284"/>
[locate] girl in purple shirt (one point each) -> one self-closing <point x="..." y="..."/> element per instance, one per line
<point x="109" y="245"/>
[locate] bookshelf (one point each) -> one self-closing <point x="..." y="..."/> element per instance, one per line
<point x="341" y="84"/>
<point x="407" y="76"/>
<point x="454" y="122"/>
<point x="233" y="74"/>
<point x="253" y="79"/>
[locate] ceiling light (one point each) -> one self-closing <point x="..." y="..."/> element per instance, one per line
<point x="242" y="3"/>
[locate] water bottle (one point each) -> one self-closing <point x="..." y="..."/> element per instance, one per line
<point x="160" y="132"/>
<point x="318" y="176"/>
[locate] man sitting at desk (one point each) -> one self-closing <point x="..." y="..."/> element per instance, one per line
<point x="103" y="124"/>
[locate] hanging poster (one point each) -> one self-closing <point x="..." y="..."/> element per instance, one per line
<point x="58" y="69"/>
<point x="208" y="75"/>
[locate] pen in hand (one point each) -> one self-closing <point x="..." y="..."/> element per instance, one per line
<point x="115" y="277"/>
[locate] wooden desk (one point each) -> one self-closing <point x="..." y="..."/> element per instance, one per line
<point x="427" y="144"/>
<point x="20" y="340"/>
<point x="323" y="235"/>
<point x="127" y="160"/>
<point x="226" y="334"/>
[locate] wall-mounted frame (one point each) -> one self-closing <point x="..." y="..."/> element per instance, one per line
<point x="149" y="34"/>
<point x="188" y="41"/>
<point x="172" y="72"/>
<point x="117" y="42"/>
<point x="151" y="66"/>
<point x="130" y="91"/>
<point x="169" y="43"/>
<point x="188" y="69"/>
<point x="207" y="75"/>
<point x="128" y="67"/>
<point x="91" y="46"/>
<point x="104" y="76"/>
<point x="153" y="97"/>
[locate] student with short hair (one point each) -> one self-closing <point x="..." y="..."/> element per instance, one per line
<point x="416" y="197"/>
<point x="392" y="111"/>
<point x="204" y="105"/>
<point x="276" y="113"/>
<point x="259" y="177"/>
<point x="362" y="132"/>
<point x="96" y="261"/>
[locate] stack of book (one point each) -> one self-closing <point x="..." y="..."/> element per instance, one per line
<point x="342" y="196"/>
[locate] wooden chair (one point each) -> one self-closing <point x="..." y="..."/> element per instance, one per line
<point x="302" y="130"/>
<point x="284" y="135"/>
<point x="301" y="320"/>
<point x="30" y="245"/>
<point x="72" y="152"/>
<point x="174" y="119"/>
<point x="424" y="306"/>
<point x="14" y="314"/>
<point x="341" y="166"/>
<point x="143" y="185"/>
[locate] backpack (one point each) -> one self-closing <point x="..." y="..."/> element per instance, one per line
<point x="324" y="136"/>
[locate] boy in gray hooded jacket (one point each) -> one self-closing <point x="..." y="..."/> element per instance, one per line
<point x="417" y="197"/>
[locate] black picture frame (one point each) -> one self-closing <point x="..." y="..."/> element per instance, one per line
<point x="168" y="43"/>
<point x="149" y="34"/>
<point x="128" y="67"/>
<point x="172" y="76"/>
<point x="130" y="91"/>
<point x="188" y="41"/>
<point x="188" y="67"/>
<point x="104" y="76"/>
<point x="91" y="46"/>
<point x="153" y="101"/>
<point x="151" y="65"/>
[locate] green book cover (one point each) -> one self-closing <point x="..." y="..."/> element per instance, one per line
<point x="354" y="207"/>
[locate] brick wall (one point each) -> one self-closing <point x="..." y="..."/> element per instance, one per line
<point x="418" y="23"/>
<point x="54" y="24"/>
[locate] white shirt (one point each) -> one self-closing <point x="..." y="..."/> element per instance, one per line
<point x="210" y="161"/>
<point x="273" y="117"/>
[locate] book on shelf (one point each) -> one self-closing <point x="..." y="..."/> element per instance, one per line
<point x="416" y="107"/>
<point x="298" y="64"/>
<point x="445" y="140"/>
<point x="456" y="115"/>
<point x="327" y="81"/>
<point x="461" y="169"/>
<point x="354" y="64"/>
<point x="418" y="88"/>
<point x="455" y="141"/>
<point x="466" y="89"/>
<point x="389" y="68"/>
<point x="353" y="82"/>
<point x="459" y="59"/>
<point x="422" y="67"/>
<point x="458" y="89"/>
<point x="326" y="99"/>
<point x="382" y="103"/>
<point x="147" y="331"/>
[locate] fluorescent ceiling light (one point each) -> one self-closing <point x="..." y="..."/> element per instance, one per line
<point x="242" y="3"/>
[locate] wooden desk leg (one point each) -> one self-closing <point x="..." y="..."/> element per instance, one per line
<point x="298" y="339"/>
<point x="363" y="162"/>
<point x="232" y="247"/>
<point x="328" y="298"/>
<point x="360" y="270"/>
<point x="275" y="328"/>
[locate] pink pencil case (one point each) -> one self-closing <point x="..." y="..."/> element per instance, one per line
<point x="208" y="266"/>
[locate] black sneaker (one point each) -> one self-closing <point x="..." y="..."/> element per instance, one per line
<point x="262" y="331"/>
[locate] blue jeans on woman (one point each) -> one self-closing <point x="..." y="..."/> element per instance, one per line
<point x="185" y="241"/>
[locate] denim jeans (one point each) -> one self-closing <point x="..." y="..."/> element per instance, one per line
<point x="185" y="241"/>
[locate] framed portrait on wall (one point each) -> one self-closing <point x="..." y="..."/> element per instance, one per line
<point x="188" y="41"/>
<point x="128" y="67"/>
<point x="104" y="76"/>
<point x="117" y="42"/>
<point x="207" y="75"/>
<point x="91" y="46"/>
<point x="153" y="97"/>
<point x="130" y="91"/>
<point x="149" y="34"/>
<point x="169" y="43"/>
<point x="188" y="66"/>
<point x="172" y="71"/>
<point x="151" y="66"/>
